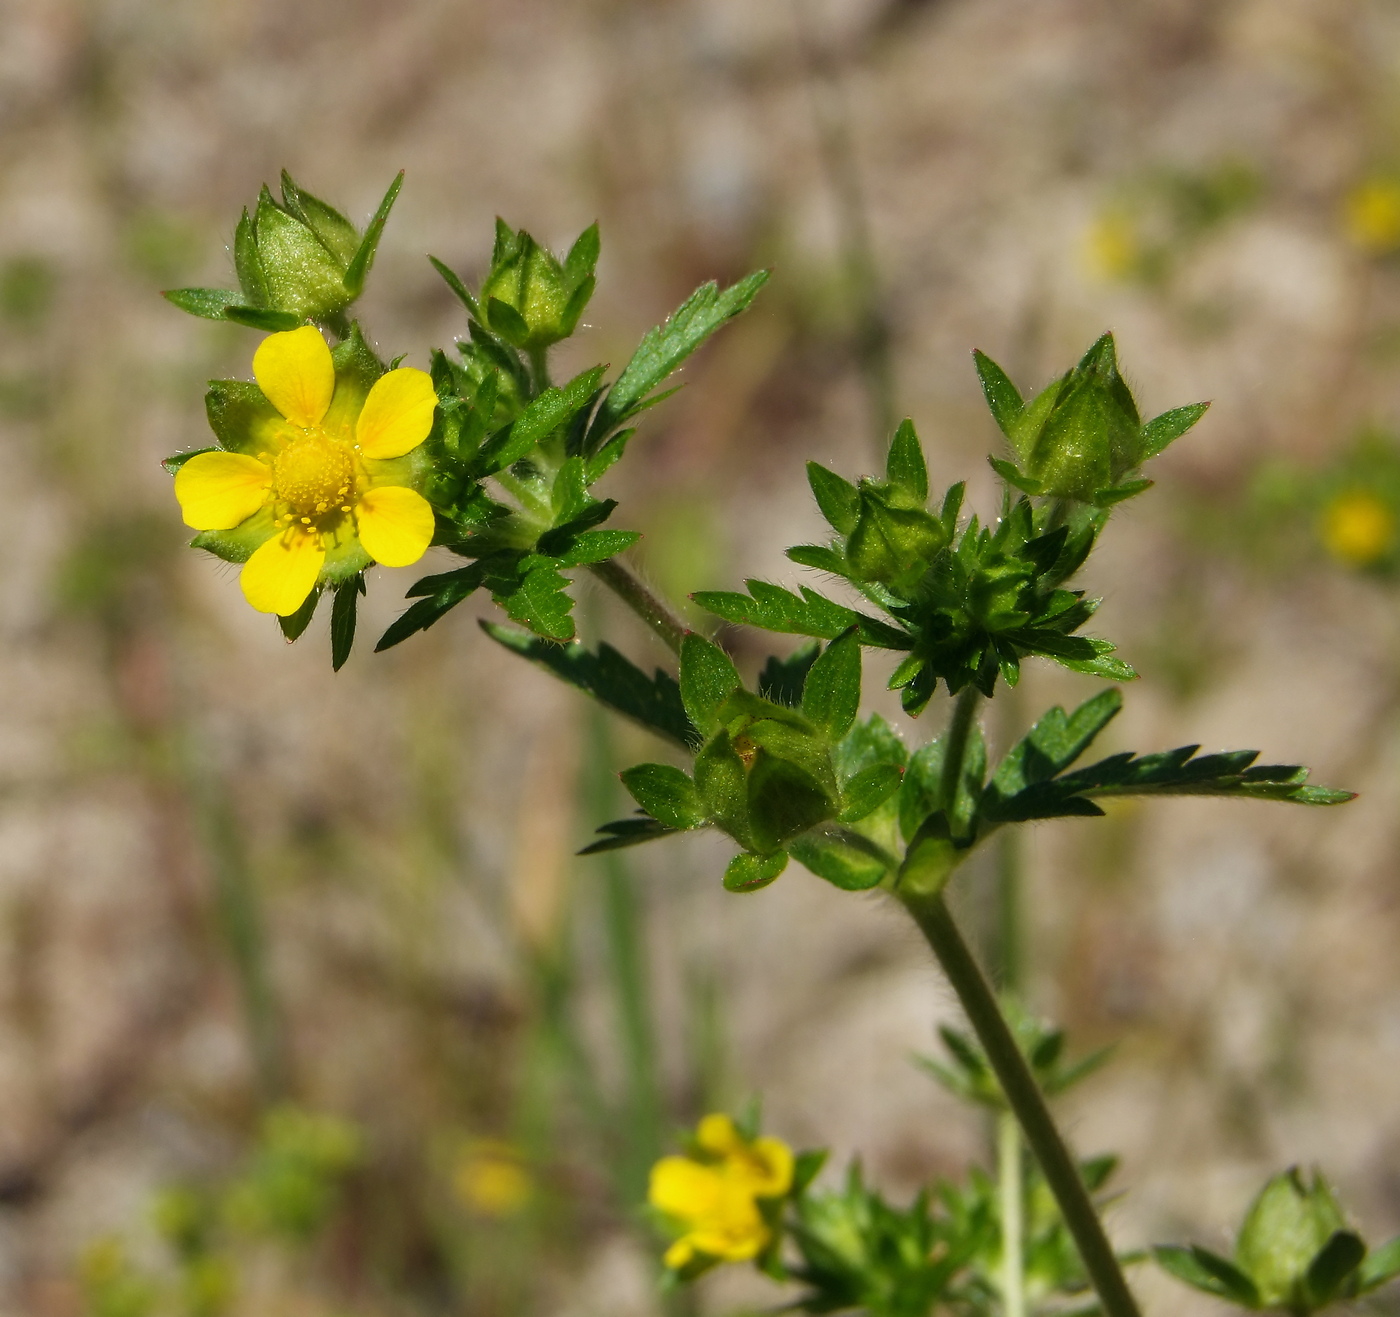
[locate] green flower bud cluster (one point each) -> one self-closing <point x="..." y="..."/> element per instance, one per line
<point x="298" y="259"/>
<point x="1295" y="1253"/>
<point x="1081" y="438"/>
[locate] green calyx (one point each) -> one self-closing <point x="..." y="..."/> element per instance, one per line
<point x="1295" y="1253"/>
<point x="532" y="299"/>
<point x="1081" y="438"/>
<point x="297" y="259"/>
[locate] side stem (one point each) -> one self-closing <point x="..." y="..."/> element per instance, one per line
<point x="955" y="744"/>
<point x="979" y="1003"/>
<point x="1011" y="1192"/>
<point x="647" y="605"/>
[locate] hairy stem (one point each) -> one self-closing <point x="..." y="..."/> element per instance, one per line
<point x="539" y="369"/>
<point x="1010" y="1186"/>
<point x="979" y="1003"/>
<point x="650" y="607"/>
<point x="955" y="744"/>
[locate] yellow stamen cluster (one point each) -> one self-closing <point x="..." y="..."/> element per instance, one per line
<point x="315" y="474"/>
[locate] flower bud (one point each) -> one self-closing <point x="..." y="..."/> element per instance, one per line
<point x="1286" y="1228"/>
<point x="532" y="299"/>
<point x="298" y="259"/>
<point x="1080" y="438"/>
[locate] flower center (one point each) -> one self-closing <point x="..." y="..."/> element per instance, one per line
<point x="314" y="475"/>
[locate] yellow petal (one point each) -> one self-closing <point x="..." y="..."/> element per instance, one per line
<point x="397" y="414"/>
<point x="396" y="525"/>
<point x="679" y="1254"/>
<point x="217" y="491"/>
<point x="683" y="1188"/>
<point x="280" y="574"/>
<point x="716" y="1133"/>
<point x="296" y="373"/>
<point x="774" y="1158"/>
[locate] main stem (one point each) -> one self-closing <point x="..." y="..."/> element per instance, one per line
<point x="979" y="1003"/>
<point x="647" y="605"/>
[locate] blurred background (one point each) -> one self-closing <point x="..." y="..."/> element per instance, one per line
<point x="310" y="953"/>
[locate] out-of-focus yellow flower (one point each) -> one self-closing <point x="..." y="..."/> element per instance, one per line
<point x="491" y="1181"/>
<point x="1112" y="248"/>
<point x="1357" y="528"/>
<point x="1372" y="213"/>
<point x="715" y="1194"/>
<point x="317" y="483"/>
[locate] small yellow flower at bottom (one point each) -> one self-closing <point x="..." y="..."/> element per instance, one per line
<point x="323" y="480"/>
<point x="1358" y="528"/>
<point x="716" y="1200"/>
<point x="1372" y="214"/>
<point x="491" y="1181"/>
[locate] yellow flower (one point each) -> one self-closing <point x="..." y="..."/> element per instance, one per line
<point x="1357" y="528"/>
<point x="491" y="1181"/>
<point x="716" y="1199"/>
<point x="1112" y="249"/>
<point x="320" y="489"/>
<point x="1372" y="213"/>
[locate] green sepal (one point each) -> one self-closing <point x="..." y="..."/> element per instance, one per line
<point x="293" y="625"/>
<point x="270" y="322"/>
<point x="454" y="282"/>
<point x="667" y="794"/>
<point x="302" y="277"/>
<point x="905" y="467"/>
<point x="1381" y="1266"/>
<point x="176" y="460"/>
<point x="335" y="233"/>
<point x="845" y="859"/>
<point x="831" y="692"/>
<point x="627" y="832"/>
<point x="1003" y="397"/>
<point x="344" y="612"/>
<point x="838" y="499"/>
<point x="240" y="414"/>
<point x="747" y="872"/>
<point x="708" y="678"/>
<point x="359" y="266"/>
<point x="1107" y="498"/>
<point x="864" y="793"/>
<point x="1208" y="1272"/>
<point x="1013" y="476"/>
<point x="722" y="781"/>
<point x="1332" y="1272"/>
<point x="207" y="303"/>
<point x="785" y="797"/>
<point x="1170" y="426"/>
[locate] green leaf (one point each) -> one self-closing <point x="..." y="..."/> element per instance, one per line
<point x="667" y="794"/>
<point x="1207" y="1271"/>
<point x="454" y="282"/>
<point x="831" y="693"/>
<point x="867" y="791"/>
<point x="708" y="678"/>
<point x="537" y="597"/>
<point x="838" y="499"/>
<point x="610" y="678"/>
<point x="1381" y="1266"/>
<point x="553" y="408"/>
<point x="627" y="832"/>
<point x="208" y="303"/>
<point x="1055" y="742"/>
<point x="665" y="347"/>
<point x="747" y="873"/>
<point x="439" y="595"/>
<point x="295" y="624"/>
<point x="905" y="468"/>
<point x="1002" y="395"/>
<point x="774" y="609"/>
<point x="1170" y="426"/>
<point x="360" y="263"/>
<point x="1333" y="1266"/>
<point x="592" y="546"/>
<point x="845" y="859"/>
<point x="343" y="615"/>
